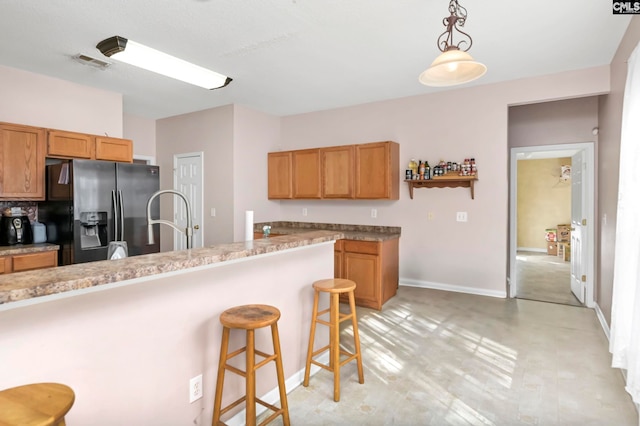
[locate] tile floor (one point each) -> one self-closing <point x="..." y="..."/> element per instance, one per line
<point x="544" y="277"/>
<point x="440" y="358"/>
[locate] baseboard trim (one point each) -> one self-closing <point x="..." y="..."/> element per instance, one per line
<point x="603" y="321"/>
<point x="534" y="249"/>
<point x="407" y="282"/>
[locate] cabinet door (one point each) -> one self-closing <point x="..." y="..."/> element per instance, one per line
<point x="114" y="149"/>
<point x="306" y="173"/>
<point x="364" y="270"/>
<point x="337" y="172"/>
<point x="338" y="259"/>
<point x="22" y="162"/>
<point x="27" y="262"/>
<point x="5" y="265"/>
<point x="377" y="171"/>
<point x="279" y="175"/>
<point x="62" y="144"/>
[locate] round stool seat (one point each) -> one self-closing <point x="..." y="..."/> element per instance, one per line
<point x="249" y="317"/>
<point x="335" y="285"/>
<point x="38" y="404"/>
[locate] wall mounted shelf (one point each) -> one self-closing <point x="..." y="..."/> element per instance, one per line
<point x="445" y="181"/>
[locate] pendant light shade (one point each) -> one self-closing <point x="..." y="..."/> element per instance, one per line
<point x="452" y="67"/>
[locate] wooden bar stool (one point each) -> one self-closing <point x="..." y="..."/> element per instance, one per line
<point x="38" y="404"/>
<point x="335" y="287"/>
<point x="250" y="318"/>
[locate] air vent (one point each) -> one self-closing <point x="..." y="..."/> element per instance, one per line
<point x="93" y="62"/>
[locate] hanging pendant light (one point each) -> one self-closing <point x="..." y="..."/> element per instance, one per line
<point x="454" y="66"/>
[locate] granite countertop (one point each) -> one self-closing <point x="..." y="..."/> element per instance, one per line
<point x="27" y="248"/>
<point x="22" y="286"/>
<point x="351" y="232"/>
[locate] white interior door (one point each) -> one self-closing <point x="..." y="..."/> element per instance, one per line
<point x="578" y="227"/>
<point x="188" y="180"/>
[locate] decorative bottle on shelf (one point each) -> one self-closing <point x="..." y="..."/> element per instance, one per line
<point x="427" y="170"/>
<point x="421" y="169"/>
<point x="413" y="166"/>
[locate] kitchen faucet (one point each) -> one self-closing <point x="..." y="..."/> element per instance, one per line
<point x="188" y="231"/>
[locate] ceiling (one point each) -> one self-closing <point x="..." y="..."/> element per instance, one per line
<point x="295" y="56"/>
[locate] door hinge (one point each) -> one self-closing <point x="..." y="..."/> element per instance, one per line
<point x="584" y="278"/>
<point x="584" y="222"/>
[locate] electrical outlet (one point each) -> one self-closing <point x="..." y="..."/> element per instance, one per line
<point x="461" y="216"/>
<point x="304" y="211"/>
<point x="374" y="213"/>
<point x="195" y="388"/>
<point x="213" y="212"/>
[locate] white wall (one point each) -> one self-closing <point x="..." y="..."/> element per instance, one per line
<point x="37" y="100"/>
<point x="142" y="131"/>
<point x="210" y="131"/>
<point x="128" y="353"/>
<point x="450" y="125"/>
<point x="551" y="123"/>
<point x="254" y="135"/>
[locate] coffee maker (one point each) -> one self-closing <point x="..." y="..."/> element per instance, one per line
<point x="15" y="230"/>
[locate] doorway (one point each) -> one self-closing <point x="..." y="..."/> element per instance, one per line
<point x="539" y="274"/>
<point x="188" y="179"/>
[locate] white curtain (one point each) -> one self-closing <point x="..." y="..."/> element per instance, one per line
<point x="625" y="311"/>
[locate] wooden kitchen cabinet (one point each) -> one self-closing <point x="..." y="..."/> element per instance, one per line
<point x="114" y="149"/>
<point x="337" y="171"/>
<point x="366" y="171"/>
<point x="22" y="162"/>
<point x="61" y="144"/>
<point x="279" y="181"/>
<point x="377" y="171"/>
<point x="28" y="261"/>
<point x="373" y="266"/>
<point x="69" y="145"/>
<point x="338" y="252"/>
<point x="306" y="173"/>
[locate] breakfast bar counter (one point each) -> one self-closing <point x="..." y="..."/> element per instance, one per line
<point x="30" y="287"/>
<point x="350" y="232"/>
<point x="140" y="328"/>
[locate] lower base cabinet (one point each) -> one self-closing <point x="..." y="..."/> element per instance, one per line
<point x="28" y="261"/>
<point x="372" y="265"/>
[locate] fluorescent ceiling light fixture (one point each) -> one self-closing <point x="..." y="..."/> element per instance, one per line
<point x="139" y="55"/>
<point x="454" y="66"/>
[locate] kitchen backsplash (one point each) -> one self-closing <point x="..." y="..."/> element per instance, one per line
<point x="28" y="207"/>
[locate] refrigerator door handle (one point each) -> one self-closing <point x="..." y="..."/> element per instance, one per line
<point x="121" y="215"/>
<point x="115" y="215"/>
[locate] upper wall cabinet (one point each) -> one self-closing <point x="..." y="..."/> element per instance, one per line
<point x="378" y="171"/>
<point x="365" y="171"/>
<point x="306" y="173"/>
<point x="279" y="175"/>
<point x="22" y="162"/>
<point x="62" y="144"/>
<point x="337" y="172"/>
<point x="114" y="149"/>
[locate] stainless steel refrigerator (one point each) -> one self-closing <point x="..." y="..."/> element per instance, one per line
<point x="92" y="203"/>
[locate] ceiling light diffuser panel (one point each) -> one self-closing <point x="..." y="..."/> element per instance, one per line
<point x="139" y="55"/>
